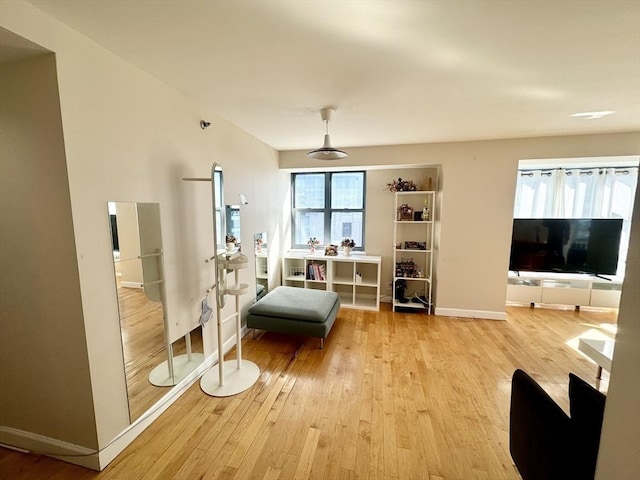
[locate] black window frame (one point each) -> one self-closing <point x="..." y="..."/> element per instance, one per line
<point x="327" y="210"/>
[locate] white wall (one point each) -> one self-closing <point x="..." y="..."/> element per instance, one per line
<point x="619" y="456"/>
<point x="476" y="195"/>
<point x="129" y="137"/>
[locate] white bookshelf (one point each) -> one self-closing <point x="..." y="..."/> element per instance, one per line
<point x="356" y="278"/>
<point x="413" y="250"/>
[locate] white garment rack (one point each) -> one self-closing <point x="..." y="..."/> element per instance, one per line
<point x="232" y="376"/>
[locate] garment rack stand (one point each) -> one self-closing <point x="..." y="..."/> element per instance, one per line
<point x="232" y="376"/>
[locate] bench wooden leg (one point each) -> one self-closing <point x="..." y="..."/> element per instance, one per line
<point x="321" y="343"/>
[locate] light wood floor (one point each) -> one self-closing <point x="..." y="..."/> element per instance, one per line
<point x="391" y="396"/>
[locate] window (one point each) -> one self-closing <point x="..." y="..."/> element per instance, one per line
<point x="601" y="192"/>
<point x="328" y="206"/>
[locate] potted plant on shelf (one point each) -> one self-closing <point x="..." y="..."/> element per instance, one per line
<point x="312" y="242"/>
<point x="231" y="242"/>
<point x="401" y="185"/>
<point x="347" y="244"/>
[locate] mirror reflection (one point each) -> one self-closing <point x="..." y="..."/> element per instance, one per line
<point x="262" y="264"/>
<point x="232" y="234"/>
<point x="185" y="357"/>
<point x="138" y="264"/>
<point x="218" y="206"/>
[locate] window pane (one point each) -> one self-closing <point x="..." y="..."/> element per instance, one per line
<point x="217" y="178"/>
<point x="233" y="221"/>
<point x="220" y="229"/>
<point x="309" y="191"/>
<point x="309" y="224"/>
<point x="346" y="225"/>
<point x="347" y="190"/>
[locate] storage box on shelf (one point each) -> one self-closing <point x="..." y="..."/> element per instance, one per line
<point x="293" y="271"/>
<point x="413" y="250"/>
<point x="563" y="289"/>
<point x="356" y="279"/>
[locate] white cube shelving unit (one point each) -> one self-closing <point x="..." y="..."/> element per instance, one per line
<point x="355" y="278"/>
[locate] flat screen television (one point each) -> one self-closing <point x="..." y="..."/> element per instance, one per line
<point x="565" y="245"/>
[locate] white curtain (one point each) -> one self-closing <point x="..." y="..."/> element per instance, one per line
<point x="536" y="194"/>
<point x="579" y="193"/>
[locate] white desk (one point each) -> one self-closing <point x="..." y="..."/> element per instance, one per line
<point x="598" y="350"/>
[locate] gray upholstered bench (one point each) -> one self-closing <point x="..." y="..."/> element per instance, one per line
<point x="297" y="311"/>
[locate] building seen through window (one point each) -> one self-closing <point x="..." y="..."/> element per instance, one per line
<point x="328" y="206"/>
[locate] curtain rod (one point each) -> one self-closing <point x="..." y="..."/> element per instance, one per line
<point x="550" y="169"/>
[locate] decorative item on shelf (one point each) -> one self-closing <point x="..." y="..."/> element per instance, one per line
<point x="231" y="242"/>
<point x="313" y="242"/>
<point x="426" y="213"/>
<point x="404" y="213"/>
<point x="296" y="272"/>
<point x="258" y="245"/>
<point x="415" y="245"/>
<point x="407" y="268"/>
<point x="397" y="245"/>
<point x="331" y="250"/>
<point x="426" y="183"/>
<point x="401" y="186"/>
<point x="347" y="245"/>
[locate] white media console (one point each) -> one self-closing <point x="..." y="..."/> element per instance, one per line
<point x="579" y="290"/>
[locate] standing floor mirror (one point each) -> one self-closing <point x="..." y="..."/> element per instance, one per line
<point x="150" y="361"/>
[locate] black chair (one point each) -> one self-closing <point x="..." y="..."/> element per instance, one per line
<point x="547" y="444"/>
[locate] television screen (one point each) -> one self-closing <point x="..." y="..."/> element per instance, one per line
<point x="567" y="245"/>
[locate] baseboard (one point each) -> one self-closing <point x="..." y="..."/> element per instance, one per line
<point x="97" y="460"/>
<point x="483" y="314"/>
<point x="137" y="285"/>
<point x="28" y="442"/>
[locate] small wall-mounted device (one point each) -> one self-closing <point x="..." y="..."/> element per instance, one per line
<point x="204" y="124"/>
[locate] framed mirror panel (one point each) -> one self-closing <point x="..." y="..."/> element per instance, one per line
<point x="136" y="238"/>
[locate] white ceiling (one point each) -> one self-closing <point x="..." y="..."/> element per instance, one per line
<point x="398" y="71"/>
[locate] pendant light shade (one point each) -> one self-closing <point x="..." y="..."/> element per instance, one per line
<point x="326" y="152"/>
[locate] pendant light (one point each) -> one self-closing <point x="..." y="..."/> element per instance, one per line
<point x="326" y="152"/>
